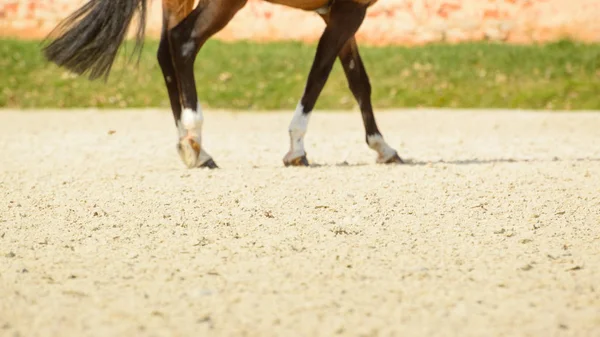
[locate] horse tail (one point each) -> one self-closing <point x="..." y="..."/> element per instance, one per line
<point x="89" y="39"/>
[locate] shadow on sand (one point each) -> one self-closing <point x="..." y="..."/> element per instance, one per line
<point x="475" y="161"/>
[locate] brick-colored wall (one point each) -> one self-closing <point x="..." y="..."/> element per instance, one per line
<point x="388" y="22"/>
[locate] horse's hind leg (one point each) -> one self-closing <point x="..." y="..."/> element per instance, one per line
<point x="358" y="80"/>
<point x="343" y="21"/>
<point x="185" y="40"/>
<point x="166" y="64"/>
<point x="174" y="11"/>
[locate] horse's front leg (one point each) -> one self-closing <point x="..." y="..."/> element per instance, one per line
<point x="184" y="41"/>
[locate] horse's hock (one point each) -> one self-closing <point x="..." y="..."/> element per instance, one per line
<point x="388" y="22"/>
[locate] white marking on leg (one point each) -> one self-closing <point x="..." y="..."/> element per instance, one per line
<point x="169" y="79"/>
<point x="323" y="10"/>
<point x="297" y="129"/>
<point x="191" y="121"/>
<point x="187" y="48"/>
<point x="190" y="127"/>
<point x="378" y="144"/>
<point x="351" y="64"/>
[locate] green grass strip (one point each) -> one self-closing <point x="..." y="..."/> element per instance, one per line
<point x="252" y="76"/>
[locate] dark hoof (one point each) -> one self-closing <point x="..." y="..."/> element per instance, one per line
<point x="395" y="160"/>
<point x="300" y="161"/>
<point x="209" y="164"/>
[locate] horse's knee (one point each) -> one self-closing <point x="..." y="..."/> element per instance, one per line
<point x="207" y="19"/>
<point x="180" y="36"/>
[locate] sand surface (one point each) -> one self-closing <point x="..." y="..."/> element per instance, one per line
<point x="492" y="230"/>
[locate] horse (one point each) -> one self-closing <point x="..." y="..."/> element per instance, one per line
<point x="88" y="41"/>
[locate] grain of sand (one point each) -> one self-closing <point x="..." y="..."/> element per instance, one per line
<point x="493" y="229"/>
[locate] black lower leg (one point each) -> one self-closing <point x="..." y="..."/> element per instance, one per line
<point x="343" y="21"/>
<point x="184" y="49"/>
<point x="166" y="64"/>
<point x="189" y="36"/>
<point x="359" y="84"/>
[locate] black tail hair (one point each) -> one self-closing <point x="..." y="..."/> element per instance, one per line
<point x="89" y="39"/>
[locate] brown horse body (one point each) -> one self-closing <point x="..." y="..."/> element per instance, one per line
<point x="179" y="9"/>
<point x="98" y="28"/>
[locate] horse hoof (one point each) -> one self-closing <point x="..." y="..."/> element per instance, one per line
<point x="189" y="151"/>
<point x="299" y="161"/>
<point x="210" y="164"/>
<point x="395" y="159"/>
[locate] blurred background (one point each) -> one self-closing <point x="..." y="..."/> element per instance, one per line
<point x="528" y="54"/>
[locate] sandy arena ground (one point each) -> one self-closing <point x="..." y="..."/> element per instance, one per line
<point x="492" y="230"/>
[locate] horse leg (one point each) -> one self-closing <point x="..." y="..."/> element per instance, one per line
<point x="343" y="20"/>
<point x="173" y="13"/>
<point x="185" y="40"/>
<point x="165" y="61"/>
<point x="358" y="80"/>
